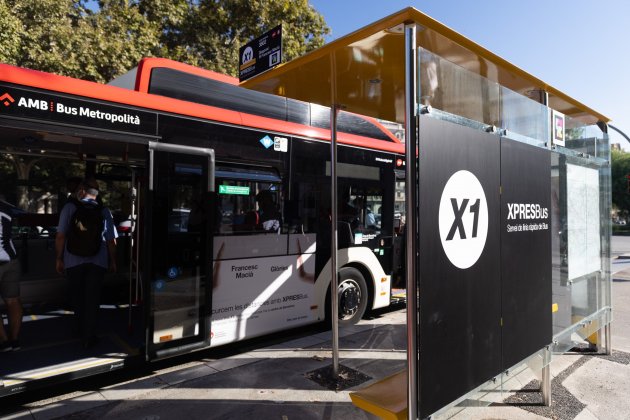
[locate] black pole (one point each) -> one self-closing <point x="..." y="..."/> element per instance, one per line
<point x="620" y="132"/>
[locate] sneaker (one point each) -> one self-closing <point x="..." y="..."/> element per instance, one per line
<point x="15" y="345"/>
<point x="5" y="346"/>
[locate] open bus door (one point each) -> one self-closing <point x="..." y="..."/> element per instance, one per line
<point x="179" y="258"/>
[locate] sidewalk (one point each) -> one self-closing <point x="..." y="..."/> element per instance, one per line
<point x="271" y="383"/>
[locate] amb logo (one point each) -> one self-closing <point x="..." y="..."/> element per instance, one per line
<point x="6" y="99"/>
<point x="30" y="103"/>
<point x="23" y="102"/>
<point x="463" y="219"/>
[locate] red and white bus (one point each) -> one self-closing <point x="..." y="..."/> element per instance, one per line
<point x="181" y="155"/>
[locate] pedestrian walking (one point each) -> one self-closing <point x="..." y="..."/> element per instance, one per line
<point x="86" y="249"/>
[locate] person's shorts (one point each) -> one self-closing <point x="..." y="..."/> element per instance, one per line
<point x="10" y="279"/>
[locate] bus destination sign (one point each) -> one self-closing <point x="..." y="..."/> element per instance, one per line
<point x="233" y="190"/>
<point x="261" y="54"/>
<point x="31" y="104"/>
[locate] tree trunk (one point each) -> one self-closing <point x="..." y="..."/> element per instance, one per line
<point x="23" y="166"/>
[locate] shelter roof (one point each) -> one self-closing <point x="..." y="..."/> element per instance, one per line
<point x="370" y="70"/>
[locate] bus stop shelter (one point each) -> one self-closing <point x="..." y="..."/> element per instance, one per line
<point x="507" y="192"/>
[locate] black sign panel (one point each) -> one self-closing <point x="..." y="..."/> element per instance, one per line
<point x="261" y="54"/>
<point x="460" y="284"/>
<point x="42" y="106"/>
<point x="525" y="250"/>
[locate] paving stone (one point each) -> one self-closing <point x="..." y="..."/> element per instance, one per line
<point x="603" y="386"/>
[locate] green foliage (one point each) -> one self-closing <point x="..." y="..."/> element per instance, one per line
<point x="25" y="179"/>
<point x="218" y="28"/>
<point x="119" y="36"/>
<point x="574" y="133"/>
<point x="9" y="36"/>
<point x="65" y="37"/>
<point x="620" y="168"/>
<point x="49" y="34"/>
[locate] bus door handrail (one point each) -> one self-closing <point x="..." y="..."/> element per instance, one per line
<point x="187" y="150"/>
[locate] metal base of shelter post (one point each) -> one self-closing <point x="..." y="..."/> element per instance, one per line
<point x="600" y="346"/>
<point x="604" y="339"/>
<point x="545" y="386"/>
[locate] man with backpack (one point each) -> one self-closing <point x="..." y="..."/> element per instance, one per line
<point x="86" y="248"/>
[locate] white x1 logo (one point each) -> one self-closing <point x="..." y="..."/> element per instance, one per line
<point x="463" y="219"/>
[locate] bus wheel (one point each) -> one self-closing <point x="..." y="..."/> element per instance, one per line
<point x="353" y="296"/>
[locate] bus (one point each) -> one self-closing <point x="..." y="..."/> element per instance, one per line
<point x="189" y="164"/>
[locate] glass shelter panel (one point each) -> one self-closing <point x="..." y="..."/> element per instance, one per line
<point x="581" y="247"/>
<point x="523" y="116"/>
<point x="581" y="272"/>
<point x="586" y="139"/>
<point x="450" y="88"/>
<point x="465" y="95"/>
<point x="579" y="175"/>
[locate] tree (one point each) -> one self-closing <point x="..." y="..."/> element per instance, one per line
<point x="620" y="169"/>
<point x="66" y="37"/>
<point x="9" y="36"/>
<point x="119" y="35"/>
<point x="209" y="33"/>
<point x="46" y="35"/>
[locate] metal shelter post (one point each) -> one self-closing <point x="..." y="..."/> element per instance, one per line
<point x="545" y="379"/>
<point x="334" y="297"/>
<point x="545" y="386"/>
<point x="608" y="339"/>
<point x="411" y="146"/>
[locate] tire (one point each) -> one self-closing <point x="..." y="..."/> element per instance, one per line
<point x="353" y="296"/>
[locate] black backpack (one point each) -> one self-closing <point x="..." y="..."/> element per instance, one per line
<point x="85" y="233"/>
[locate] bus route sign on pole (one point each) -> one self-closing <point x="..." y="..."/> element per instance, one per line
<point x="260" y="54"/>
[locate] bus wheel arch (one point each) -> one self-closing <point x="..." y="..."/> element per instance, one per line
<point x="354" y="293"/>
<point x="369" y="282"/>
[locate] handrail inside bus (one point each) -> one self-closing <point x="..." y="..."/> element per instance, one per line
<point x="188" y="150"/>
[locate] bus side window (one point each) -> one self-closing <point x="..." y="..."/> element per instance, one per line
<point x="362" y="211"/>
<point x="305" y="209"/>
<point x="249" y="201"/>
<point x="374" y="205"/>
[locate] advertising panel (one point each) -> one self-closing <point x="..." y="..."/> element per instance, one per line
<point x="583" y="221"/>
<point x="459" y="286"/>
<point x="525" y="250"/>
<point x="558" y="128"/>
<point x="255" y="295"/>
<point x="484" y="258"/>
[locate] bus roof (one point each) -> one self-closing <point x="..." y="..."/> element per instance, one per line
<point x="91" y="90"/>
<point x="375" y="55"/>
